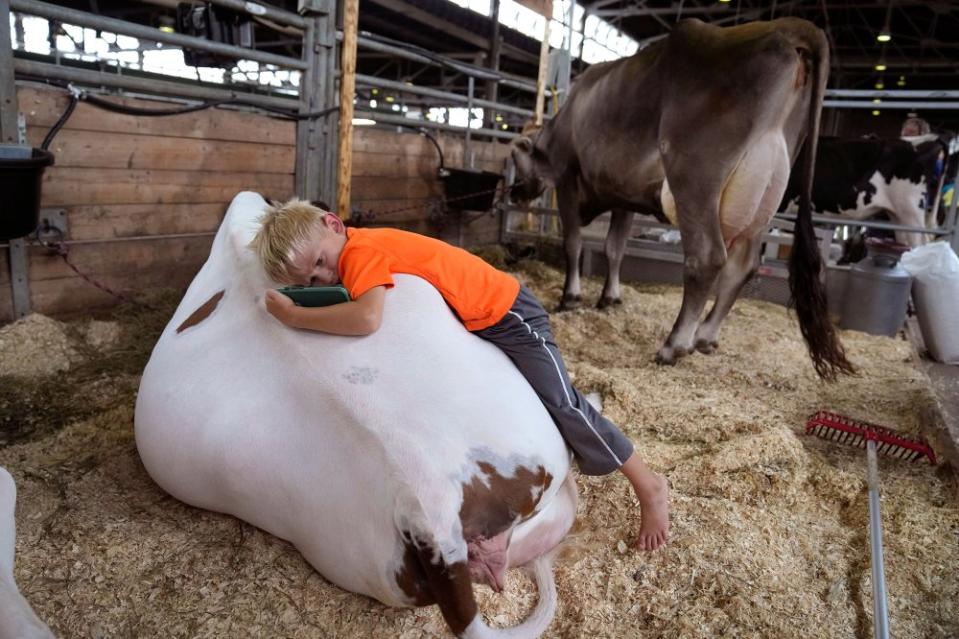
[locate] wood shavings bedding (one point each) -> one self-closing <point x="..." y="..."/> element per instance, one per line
<point x="769" y="528"/>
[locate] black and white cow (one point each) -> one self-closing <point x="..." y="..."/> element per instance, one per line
<point x="859" y="178"/>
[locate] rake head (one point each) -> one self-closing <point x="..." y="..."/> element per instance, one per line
<point x="852" y="432"/>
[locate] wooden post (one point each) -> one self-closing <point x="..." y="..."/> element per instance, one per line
<point x="347" y="87"/>
<point x="543" y="64"/>
<point x="532" y="221"/>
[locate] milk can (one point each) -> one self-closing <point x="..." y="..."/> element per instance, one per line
<point x="877" y="290"/>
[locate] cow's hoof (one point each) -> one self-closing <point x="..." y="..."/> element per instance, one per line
<point x="670" y="355"/>
<point x="706" y="347"/>
<point x="605" y="302"/>
<point x="570" y="302"/>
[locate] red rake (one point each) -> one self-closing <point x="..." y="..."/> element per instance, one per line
<point x="875" y="439"/>
<point x="852" y="432"/>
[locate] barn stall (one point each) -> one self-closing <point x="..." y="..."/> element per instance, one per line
<point x="769" y="528"/>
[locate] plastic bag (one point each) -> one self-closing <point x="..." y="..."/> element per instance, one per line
<point x="672" y="236"/>
<point x="935" y="291"/>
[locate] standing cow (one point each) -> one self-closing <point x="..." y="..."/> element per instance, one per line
<point x="404" y="465"/>
<point x="701" y="129"/>
<point x="862" y="177"/>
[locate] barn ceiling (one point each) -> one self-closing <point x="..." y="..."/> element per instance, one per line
<point x="923" y="52"/>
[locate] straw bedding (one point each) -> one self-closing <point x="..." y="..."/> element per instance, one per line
<point x="769" y="527"/>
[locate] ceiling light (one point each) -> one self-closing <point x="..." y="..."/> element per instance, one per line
<point x="506" y="126"/>
<point x="389" y="98"/>
<point x="876" y="101"/>
<point x="881" y="66"/>
<point x="724" y="1"/>
<point x="876" y="112"/>
<point x="499" y="118"/>
<point x="880" y="85"/>
<point x="902" y="81"/>
<point x="884" y="36"/>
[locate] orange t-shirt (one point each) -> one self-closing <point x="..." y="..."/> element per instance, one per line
<point x="478" y="293"/>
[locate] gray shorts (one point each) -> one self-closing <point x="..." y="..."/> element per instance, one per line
<point x="524" y="335"/>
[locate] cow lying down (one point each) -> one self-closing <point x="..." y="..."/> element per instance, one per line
<point x="17" y="619"/>
<point x="405" y="465"/>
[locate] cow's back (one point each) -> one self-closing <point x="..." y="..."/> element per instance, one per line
<point x="339" y="444"/>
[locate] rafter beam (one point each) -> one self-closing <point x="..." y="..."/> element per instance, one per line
<point x="658" y="11"/>
<point x="412" y="12"/>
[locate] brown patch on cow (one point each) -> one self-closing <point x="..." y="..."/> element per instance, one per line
<point x="492" y="506"/>
<point x="447" y="585"/>
<point x="201" y="313"/>
<point x="412" y="579"/>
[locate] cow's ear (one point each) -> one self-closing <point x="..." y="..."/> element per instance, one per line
<point x="524" y="145"/>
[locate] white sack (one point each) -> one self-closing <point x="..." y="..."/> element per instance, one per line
<point x="935" y="291"/>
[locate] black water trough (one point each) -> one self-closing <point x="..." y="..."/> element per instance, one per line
<point x="21" y="175"/>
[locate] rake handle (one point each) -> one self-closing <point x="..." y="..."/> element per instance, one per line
<point x="879" y="610"/>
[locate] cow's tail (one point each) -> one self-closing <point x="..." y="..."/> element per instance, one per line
<point x="538" y="621"/>
<point x="806" y="264"/>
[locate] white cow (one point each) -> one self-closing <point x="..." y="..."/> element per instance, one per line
<point x="403" y="465"/>
<point x="17" y="619"/>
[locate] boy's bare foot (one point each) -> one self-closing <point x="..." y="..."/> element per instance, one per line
<point x="654" y="503"/>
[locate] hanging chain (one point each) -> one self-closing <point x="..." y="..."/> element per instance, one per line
<point x="60" y="248"/>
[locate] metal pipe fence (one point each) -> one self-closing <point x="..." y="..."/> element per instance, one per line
<point x="94" y="21"/>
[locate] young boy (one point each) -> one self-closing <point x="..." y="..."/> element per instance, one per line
<point x="298" y="243"/>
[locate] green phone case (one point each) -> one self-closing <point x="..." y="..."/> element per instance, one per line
<point x="316" y="295"/>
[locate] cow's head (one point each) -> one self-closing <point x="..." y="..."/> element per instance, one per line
<point x="533" y="170"/>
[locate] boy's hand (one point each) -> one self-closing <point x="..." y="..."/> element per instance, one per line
<point x="279" y="305"/>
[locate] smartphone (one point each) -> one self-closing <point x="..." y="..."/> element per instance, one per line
<point x="316" y="295"/>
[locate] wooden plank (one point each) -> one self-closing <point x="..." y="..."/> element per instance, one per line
<point x="125" y="220"/>
<point x="399" y="188"/>
<point x="128" y="259"/>
<point x="72" y="295"/>
<point x="81" y="186"/>
<point x="118" y="150"/>
<point x="405" y="145"/>
<point x="420" y="167"/>
<point x="384" y="165"/>
<point x="43" y="107"/>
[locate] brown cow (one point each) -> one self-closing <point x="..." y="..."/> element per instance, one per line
<point x="701" y="129"/>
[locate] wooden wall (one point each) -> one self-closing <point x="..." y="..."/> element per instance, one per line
<point x="121" y="177"/>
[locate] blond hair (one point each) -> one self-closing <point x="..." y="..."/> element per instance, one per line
<point x="284" y="229"/>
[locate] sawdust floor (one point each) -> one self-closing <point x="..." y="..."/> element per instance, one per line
<point x="769" y="527"/>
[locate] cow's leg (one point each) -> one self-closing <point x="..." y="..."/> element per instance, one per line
<point x="448" y="585"/>
<point x="740" y="266"/>
<point x="619" y="225"/>
<point x="568" y="201"/>
<point x="705" y="254"/>
<point x="542" y="533"/>
<point x="908" y="212"/>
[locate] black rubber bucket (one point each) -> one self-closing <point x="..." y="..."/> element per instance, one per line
<point x="21" y="174"/>
<point x="458" y="183"/>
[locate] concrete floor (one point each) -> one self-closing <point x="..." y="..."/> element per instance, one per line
<point x="945" y="382"/>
